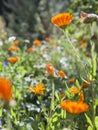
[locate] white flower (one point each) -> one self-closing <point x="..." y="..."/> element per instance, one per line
<point x="1" y="43"/>
<point x="11" y="39"/>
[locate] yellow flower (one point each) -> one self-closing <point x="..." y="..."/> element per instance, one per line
<point x="74" y="107"/>
<point x="39" y="89"/>
<point x="62" y="19"/>
<point x="74" y="90"/>
<point x="5" y="89"/>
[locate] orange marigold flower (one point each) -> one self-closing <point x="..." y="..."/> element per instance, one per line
<point x="39" y="89"/>
<point x="72" y="80"/>
<point x="5" y="89"/>
<point x="50" y="68"/>
<point x="74" y="107"/>
<point x="37" y="42"/>
<point x="30" y="49"/>
<point x="16" y="42"/>
<point x="13" y="59"/>
<point x="62" y="19"/>
<point x="74" y="90"/>
<point x="83" y="43"/>
<point x="13" y="48"/>
<point x="62" y="74"/>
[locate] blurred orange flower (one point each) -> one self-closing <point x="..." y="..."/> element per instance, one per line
<point x="74" y="107"/>
<point x="83" y="43"/>
<point x="16" y="42"/>
<point x="74" y="90"/>
<point x="13" y="59"/>
<point x="39" y="89"/>
<point x="62" y="74"/>
<point x="50" y="68"/>
<point x="13" y="48"/>
<point x="30" y="49"/>
<point x="72" y="80"/>
<point x="5" y="89"/>
<point x="62" y="19"/>
<point x="81" y="99"/>
<point x="37" y="42"/>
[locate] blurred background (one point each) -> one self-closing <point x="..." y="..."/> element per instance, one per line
<point x="31" y="18"/>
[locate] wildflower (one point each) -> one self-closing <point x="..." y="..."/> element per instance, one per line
<point x="74" y="90"/>
<point x="11" y="39"/>
<point x="74" y="107"/>
<point x="13" y="59"/>
<point x="81" y="99"/>
<point x="16" y="42"/>
<point x="62" y="19"/>
<point x="83" y="44"/>
<point x="13" y="48"/>
<point x="50" y="68"/>
<point x="72" y="80"/>
<point x="30" y="49"/>
<point x="1" y="42"/>
<point x="37" y="42"/>
<point x="5" y="89"/>
<point x="62" y="74"/>
<point x="51" y="41"/>
<point x="39" y="89"/>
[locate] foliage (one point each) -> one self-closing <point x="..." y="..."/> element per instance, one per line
<point x="23" y="17"/>
<point x="87" y="6"/>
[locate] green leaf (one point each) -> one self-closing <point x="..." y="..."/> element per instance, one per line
<point x="94" y="65"/>
<point x="90" y="128"/>
<point x="96" y="122"/>
<point x="1" y="67"/>
<point x="63" y="114"/>
<point x="57" y="96"/>
<point x="89" y="121"/>
<point x="29" y="127"/>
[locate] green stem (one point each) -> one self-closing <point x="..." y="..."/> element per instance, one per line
<point x="75" y="52"/>
<point x="93" y="108"/>
<point x="93" y="74"/>
<point x="52" y="98"/>
<point x="51" y="107"/>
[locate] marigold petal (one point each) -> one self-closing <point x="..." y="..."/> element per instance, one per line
<point x="62" y="19"/>
<point x="13" y="59"/>
<point x="5" y="89"/>
<point x="74" y="107"/>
